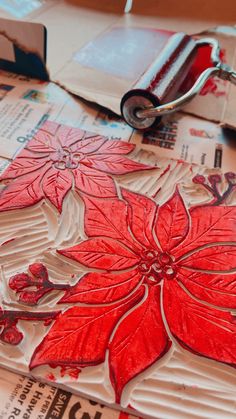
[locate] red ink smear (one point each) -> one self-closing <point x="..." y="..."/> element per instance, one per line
<point x="50" y="377"/>
<point x="72" y="372"/>
<point x="123" y="415"/>
<point x="203" y="61"/>
<point x="7" y="241"/>
<point x="200" y="133"/>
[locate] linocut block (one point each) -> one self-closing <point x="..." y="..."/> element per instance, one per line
<point x="118" y="274"/>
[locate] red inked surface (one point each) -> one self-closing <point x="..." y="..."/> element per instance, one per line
<point x="60" y="157"/>
<point x="202" y="62"/>
<point x="172" y="223"/>
<point x="81" y="335"/>
<point x="97" y="288"/>
<point x="216" y="289"/>
<point x="10" y="333"/>
<point x="139" y="341"/>
<point x="208" y="225"/>
<point x="33" y="286"/>
<point x="199" y="328"/>
<point x="134" y="246"/>
<point x="102" y="253"/>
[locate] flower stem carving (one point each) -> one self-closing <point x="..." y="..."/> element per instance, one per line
<point x="9" y="318"/>
<point x="212" y="183"/>
<point x="32" y="287"/>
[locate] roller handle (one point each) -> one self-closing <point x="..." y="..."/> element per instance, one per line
<point x="162" y="80"/>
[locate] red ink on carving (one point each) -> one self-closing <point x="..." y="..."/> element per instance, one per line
<point x="50" y="377"/>
<point x="140" y="252"/>
<point x="212" y="183"/>
<point x="9" y="318"/>
<point x="71" y="372"/>
<point x="31" y="288"/>
<point x="59" y="158"/>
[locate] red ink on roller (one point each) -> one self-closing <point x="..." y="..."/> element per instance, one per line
<point x="156" y="92"/>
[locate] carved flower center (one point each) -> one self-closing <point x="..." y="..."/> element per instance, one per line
<point x="156" y="266"/>
<point x="64" y="158"/>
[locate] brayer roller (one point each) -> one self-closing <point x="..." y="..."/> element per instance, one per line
<point x="156" y="92"/>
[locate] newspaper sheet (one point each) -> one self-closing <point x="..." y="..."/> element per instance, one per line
<point x="25" y="398"/>
<point x="25" y="103"/>
<point x="193" y="140"/>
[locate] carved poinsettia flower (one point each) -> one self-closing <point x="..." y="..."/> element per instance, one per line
<point x="155" y="273"/>
<point x="59" y="157"/>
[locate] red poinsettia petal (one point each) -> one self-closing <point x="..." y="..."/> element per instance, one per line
<point x="102" y="253"/>
<point x="23" y="166"/>
<point x="78" y="139"/>
<point x="89" y="143"/>
<point x="42" y="142"/>
<point x="99" y="288"/>
<point x="51" y="127"/>
<point x="80" y="335"/>
<point x="114" y="164"/>
<point x="94" y="183"/>
<point x="216" y="289"/>
<point x="172" y="223"/>
<point x="209" y="225"/>
<point x="107" y="218"/>
<point x="66" y="136"/>
<point x="116" y="147"/>
<point x="56" y="184"/>
<point x="141" y="216"/>
<point x="139" y="341"/>
<point x="22" y="192"/>
<point x="199" y="328"/>
<point x="28" y="154"/>
<point x="213" y="258"/>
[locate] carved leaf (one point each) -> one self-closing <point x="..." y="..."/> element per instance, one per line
<point x="213" y="258"/>
<point x="217" y="289"/>
<point x="42" y="142"/>
<point x="22" y="166"/>
<point x="172" y="222"/>
<point x="116" y="147"/>
<point x="95" y="183"/>
<point x="114" y="164"/>
<point x="141" y="216"/>
<point x="89" y="143"/>
<point x="56" y="184"/>
<point x="107" y="218"/>
<point x="22" y="192"/>
<point x="199" y="328"/>
<point x="81" y="334"/>
<point x="102" y="253"/>
<point x="139" y="341"/>
<point x="209" y="224"/>
<point x="99" y="288"/>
